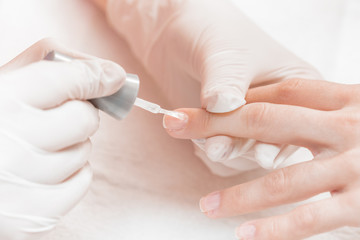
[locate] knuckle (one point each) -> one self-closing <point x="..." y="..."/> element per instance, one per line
<point x="276" y="184"/>
<point x="89" y="74"/>
<point x="347" y="124"/>
<point x="305" y="217"/>
<point x="207" y="122"/>
<point x="255" y="116"/>
<point x="238" y="195"/>
<point x="273" y="230"/>
<point x="287" y="88"/>
<point x="351" y="201"/>
<point x="351" y="120"/>
<point x="240" y="201"/>
<point x="348" y="161"/>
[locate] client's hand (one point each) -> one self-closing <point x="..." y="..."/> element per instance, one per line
<point x="321" y="116"/>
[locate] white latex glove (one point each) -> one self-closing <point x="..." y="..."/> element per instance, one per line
<point x="45" y="125"/>
<point x="181" y="42"/>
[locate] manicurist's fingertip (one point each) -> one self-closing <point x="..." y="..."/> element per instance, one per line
<point x="224" y="99"/>
<point x="113" y="73"/>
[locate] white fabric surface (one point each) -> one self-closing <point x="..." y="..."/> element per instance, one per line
<point x="147" y="185"/>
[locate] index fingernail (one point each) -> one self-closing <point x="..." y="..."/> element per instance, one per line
<point x="246" y="232"/>
<point x="210" y="203"/>
<point x="175" y="123"/>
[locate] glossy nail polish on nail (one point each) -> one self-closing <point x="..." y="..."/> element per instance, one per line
<point x="175" y="124"/>
<point x="246" y="232"/>
<point x="210" y="203"/>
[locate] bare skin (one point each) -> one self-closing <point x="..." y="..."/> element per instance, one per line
<point x="321" y="116"/>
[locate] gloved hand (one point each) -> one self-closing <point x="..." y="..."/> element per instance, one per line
<point x="45" y="125"/>
<point x="183" y="42"/>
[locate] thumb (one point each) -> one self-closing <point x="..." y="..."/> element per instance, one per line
<point x="38" y="51"/>
<point x="229" y="62"/>
<point x="227" y="74"/>
<point x="47" y="84"/>
<point x="224" y="81"/>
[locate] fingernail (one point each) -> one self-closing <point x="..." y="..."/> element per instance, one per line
<point x="210" y="203"/>
<point x="113" y="72"/>
<point x="224" y="100"/>
<point x="175" y="124"/>
<point x="217" y="151"/>
<point x="246" y="232"/>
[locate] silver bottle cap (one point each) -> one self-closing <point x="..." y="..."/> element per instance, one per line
<point x="117" y="105"/>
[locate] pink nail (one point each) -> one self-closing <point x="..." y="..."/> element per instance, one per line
<point x="246" y="232"/>
<point x="210" y="203"/>
<point x="175" y="124"/>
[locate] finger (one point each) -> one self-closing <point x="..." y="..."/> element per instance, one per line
<point x="223" y="83"/>
<point x="314" y="94"/>
<point x="304" y="221"/>
<point x="232" y="151"/>
<point x="48" y="84"/>
<point x="55" y="129"/>
<point x="222" y="170"/>
<point x="21" y="159"/>
<point x="229" y="62"/>
<point x="270" y="123"/>
<point x="38" y="51"/>
<point x="266" y="154"/>
<point x="221" y="61"/>
<point x="218" y="148"/>
<point x="224" y="149"/>
<point x="280" y="187"/>
<point x="43" y="202"/>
